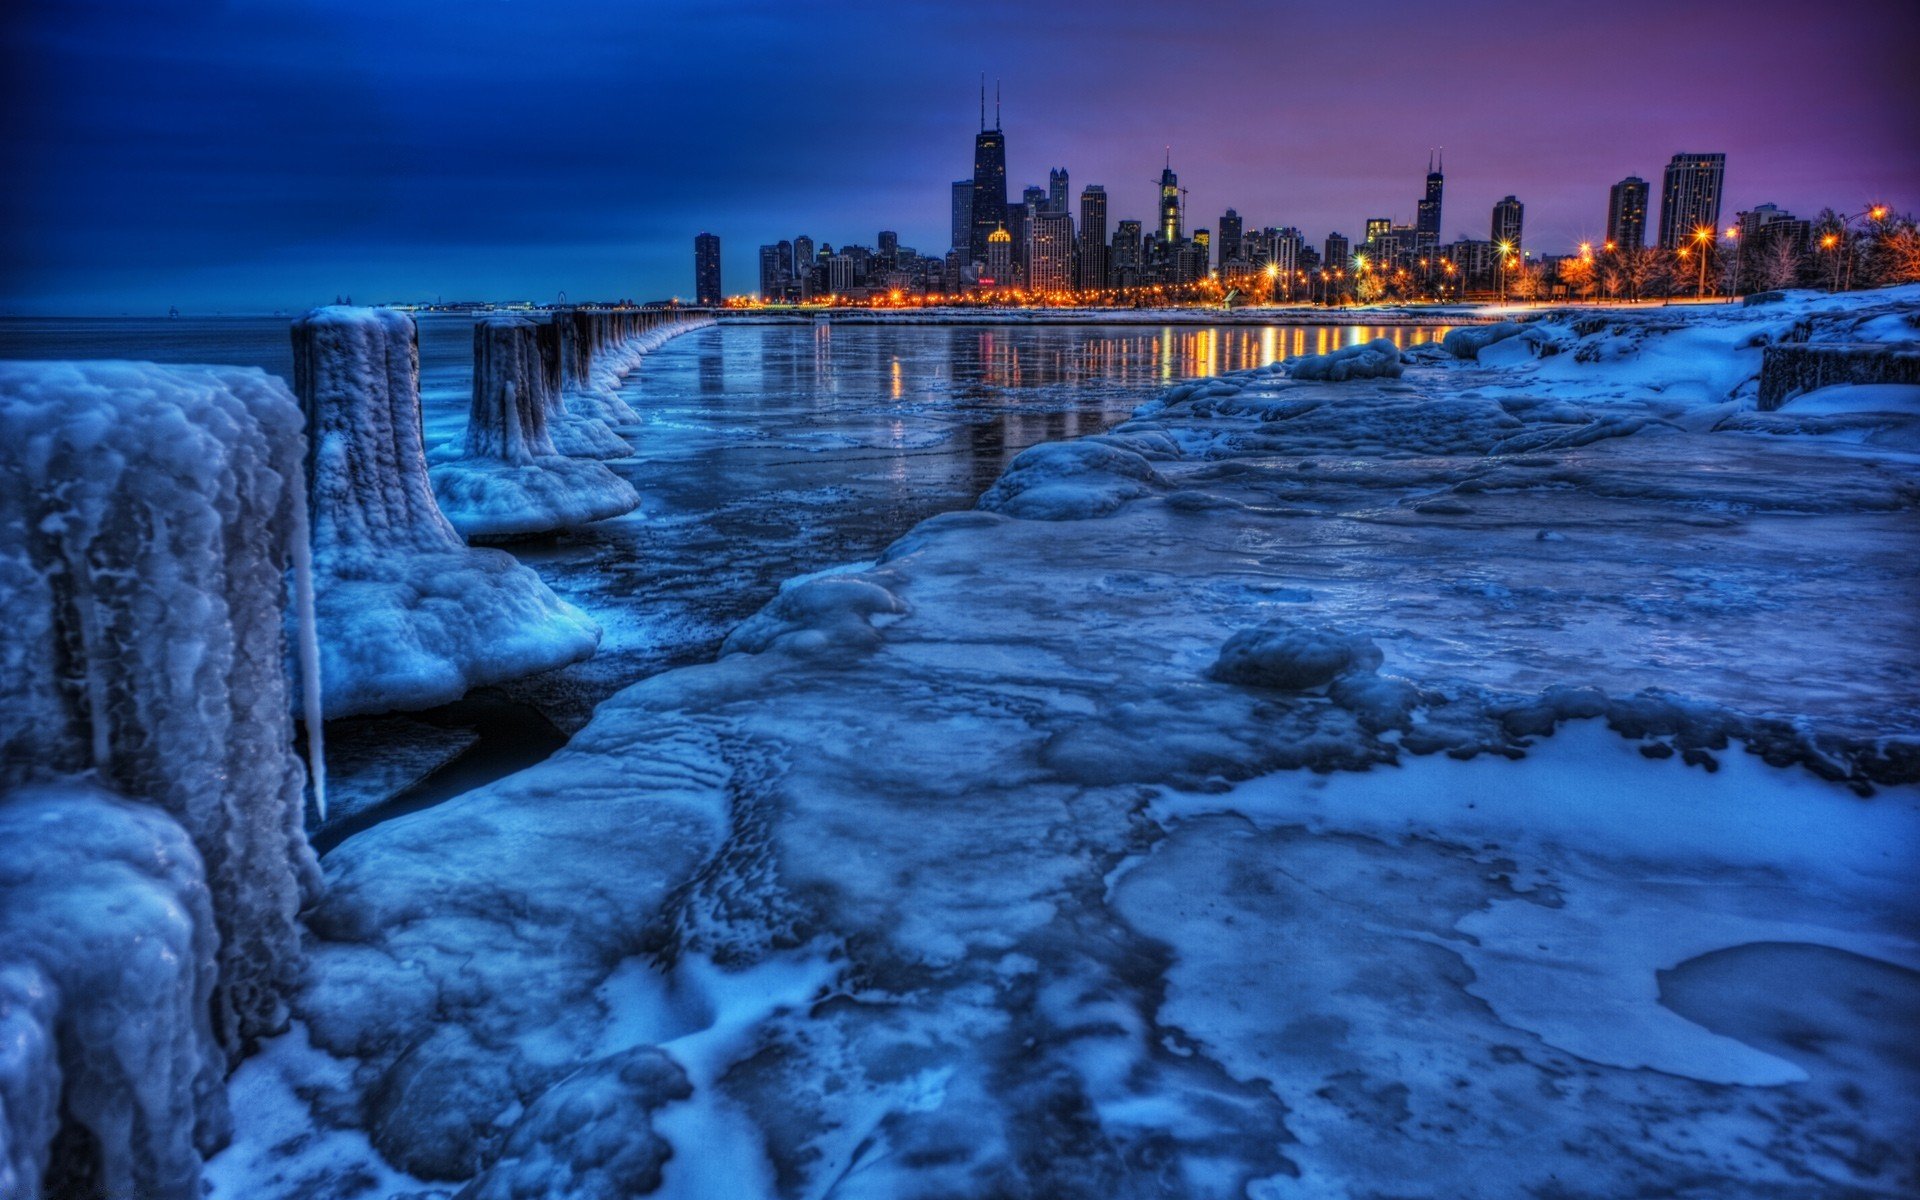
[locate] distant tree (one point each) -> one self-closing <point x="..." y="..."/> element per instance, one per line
<point x="1367" y="287"/>
<point x="1894" y="255"/>
<point x="1525" y="282"/>
<point x="1580" y="275"/>
<point x="1645" y="270"/>
<point x="1613" y="281"/>
<point x="1778" y="263"/>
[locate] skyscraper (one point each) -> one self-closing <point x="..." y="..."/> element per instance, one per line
<point x="1170" y="224"/>
<point x="1093" y="237"/>
<point x="803" y="265"/>
<point x="1128" y="265"/>
<point x="989" y="176"/>
<point x="1339" y="251"/>
<point x="1231" y="227"/>
<point x="706" y="269"/>
<point x="962" y="215"/>
<point x="1427" y="224"/>
<point x="776" y="270"/>
<point x="1627" y="214"/>
<point x="999" y="260"/>
<point x="1057" y="189"/>
<point x="889" y="249"/>
<point x="1690" y="196"/>
<point x="1050" y="259"/>
<point x="1506" y="223"/>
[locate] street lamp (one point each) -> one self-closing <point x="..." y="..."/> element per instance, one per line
<point x="1703" y="237"/>
<point x="1733" y="235"/>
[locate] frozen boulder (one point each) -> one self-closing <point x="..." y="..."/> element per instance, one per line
<point x="409" y="615"/>
<point x="112" y="1081"/>
<point x="1469" y="340"/>
<point x="508" y="480"/>
<point x="591" y="1136"/>
<point x="148" y="519"/>
<point x="1377" y="359"/>
<point x="1293" y="657"/>
<point x="1071" y="481"/>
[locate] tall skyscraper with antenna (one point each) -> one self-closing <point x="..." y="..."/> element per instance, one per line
<point x="989" y="175"/>
<point x="1427" y="222"/>
<point x="1170" y="222"/>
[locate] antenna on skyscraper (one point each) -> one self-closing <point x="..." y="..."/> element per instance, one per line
<point x="983" y="102"/>
<point x="996" y="105"/>
<point x="1429" y="160"/>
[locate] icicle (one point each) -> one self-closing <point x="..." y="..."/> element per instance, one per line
<point x="310" y="713"/>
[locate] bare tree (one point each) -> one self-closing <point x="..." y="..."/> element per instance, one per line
<point x="1579" y="275"/>
<point x="1645" y="269"/>
<point x="1896" y="251"/>
<point x="1778" y="263"/>
<point x="1525" y="282"/>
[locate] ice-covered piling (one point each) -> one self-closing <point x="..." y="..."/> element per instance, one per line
<point x="409" y="615"/>
<point x="599" y="347"/>
<point x="1792" y="368"/>
<point x="148" y="520"/>
<point x="509" y="481"/>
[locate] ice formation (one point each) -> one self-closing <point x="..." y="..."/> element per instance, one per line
<point x="599" y="347"/>
<point x="575" y="434"/>
<point x="409" y="615"/>
<point x="148" y="518"/>
<point x="1378" y="359"/>
<point x="507" y="480"/>
<point x="964" y="874"/>
<point x="107" y="985"/>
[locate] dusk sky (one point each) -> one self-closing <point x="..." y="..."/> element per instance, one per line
<point x="256" y="155"/>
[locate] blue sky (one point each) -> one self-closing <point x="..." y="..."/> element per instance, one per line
<point x="255" y="155"/>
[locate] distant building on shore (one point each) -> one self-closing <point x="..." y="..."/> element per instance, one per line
<point x="1508" y="222"/>
<point x="1092" y="260"/>
<point x="1690" y="197"/>
<point x="706" y="269"/>
<point x="1627" y="214"/>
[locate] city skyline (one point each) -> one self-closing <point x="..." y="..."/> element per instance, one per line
<point x="150" y="187"/>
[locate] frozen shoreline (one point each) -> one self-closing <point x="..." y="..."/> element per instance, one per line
<point x="960" y="874"/>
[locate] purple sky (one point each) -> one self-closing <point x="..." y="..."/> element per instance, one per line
<point x="253" y="155"/>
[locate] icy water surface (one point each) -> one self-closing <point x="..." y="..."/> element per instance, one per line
<point x="765" y="452"/>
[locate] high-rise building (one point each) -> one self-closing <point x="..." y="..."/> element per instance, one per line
<point x="1627" y="214"/>
<point x="706" y="269"/>
<point x="776" y="271"/>
<point x="1427" y="222"/>
<point x="1507" y="217"/>
<point x="889" y="249"/>
<point x="1377" y="230"/>
<point x="999" y="260"/>
<point x="840" y="273"/>
<point x="1050" y="260"/>
<point x="1128" y="266"/>
<point x="1339" y="251"/>
<point x="1093" y="237"/>
<point x="803" y="265"/>
<point x="1231" y="237"/>
<point x="1057" y="189"/>
<point x="1690" y="196"/>
<point x="962" y="215"/>
<point x="989" y="176"/>
<point x="1765" y="223"/>
<point x="1170" y="206"/>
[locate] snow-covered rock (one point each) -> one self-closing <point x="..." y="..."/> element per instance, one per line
<point x="149" y="516"/>
<point x="1469" y="340"/>
<point x="1377" y="359"/>
<point x="409" y="615"/>
<point x="112" y="1081"/>
<point x="507" y="480"/>
<point x="1067" y="481"/>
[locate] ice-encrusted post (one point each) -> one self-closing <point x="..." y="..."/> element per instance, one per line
<point x="506" y="480"/>
<point x="575" y="434"/>
<point x="409" y="615"/>
<point x="149" y="517"/>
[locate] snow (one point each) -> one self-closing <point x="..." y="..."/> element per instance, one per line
<point x="148" y="519"/>
<point x="409" y="615"/>
<point x="1378" y="359"/>
<point x="107" y="983"/>
<point x="1492" y="777"/>
<point x="1903" y="398"/>
<point x="506" y="479"/>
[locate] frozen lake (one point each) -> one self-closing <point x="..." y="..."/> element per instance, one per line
<point x="765" y="452"/>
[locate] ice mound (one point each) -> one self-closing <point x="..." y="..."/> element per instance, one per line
<point x="835" y="611"/>
<point x="409" y="615"/>
<point x="107" y="982"/>
<point x="1293" y="657"/>
<point x="1469" y="340"/>
<point x="508" y="480"/>
<point x="148" y="519"/>
<point x="591" y="1137"/>
<point x="1070" y="481"/>
<point x="1377" y="359"/>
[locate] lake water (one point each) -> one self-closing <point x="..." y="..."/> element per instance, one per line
<point x="764" y="451"/>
